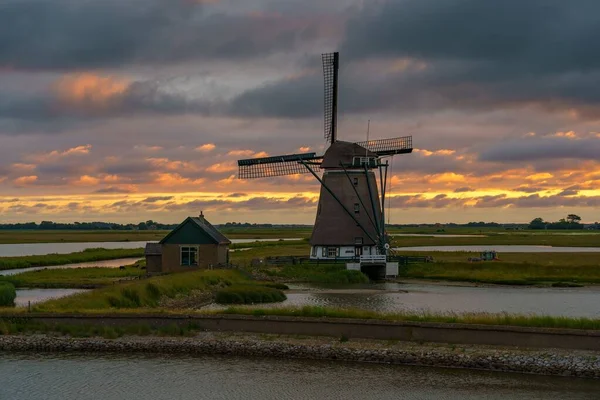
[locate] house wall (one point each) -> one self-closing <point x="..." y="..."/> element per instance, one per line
<point x="223" y="254"/>
<point x="154" y="264"/>
<point x="316" y="252"/>
<point x="208" y="254"/>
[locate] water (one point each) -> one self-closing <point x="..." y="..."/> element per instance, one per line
<point x="25" y="296"/>
<point x="504" y="249"/>
<point x="36" y="249"/>
<point x="91" y="264"/>
<point x="132" y="377"/>
<point x="435" y="235"/>
<point x="397" y="298"/>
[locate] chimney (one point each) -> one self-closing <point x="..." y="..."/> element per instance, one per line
<point x="201" y="216"/>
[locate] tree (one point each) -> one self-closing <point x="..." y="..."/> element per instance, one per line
<point x="537" y="223"/>
<point x="573" y="218"/>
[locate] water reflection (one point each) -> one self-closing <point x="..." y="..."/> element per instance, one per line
<point x="26" y="296"/>
<point x="504" y="249"/>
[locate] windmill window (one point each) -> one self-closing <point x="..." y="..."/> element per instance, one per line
<point x="358" y="240"/>
<point x="355" y="180"/>
<point x="189" y="256"/>
<point x="356" y="208"/>
<point x="332" y="252"/>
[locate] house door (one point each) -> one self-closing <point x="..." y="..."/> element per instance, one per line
<point x="358" y="251"/>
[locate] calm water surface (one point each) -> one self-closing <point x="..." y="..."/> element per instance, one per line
<point x="392" y="297"/>
<point x="25" y="296"/>
<point x="116" y="377"/>
<point x="104" y="264"/>
<point x="30" y="249"/>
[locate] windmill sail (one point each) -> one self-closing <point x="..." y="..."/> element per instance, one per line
<point x="330" y="74"/>
<point x="389" y="147"/>
<point x="289" y="164"/>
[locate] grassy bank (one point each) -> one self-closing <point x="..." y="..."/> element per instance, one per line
<point x="88" y="255"/>
<point x="513" y="269"/>
<point x="313" y="273"/>
<point x="151" y="293"/>
<point x="456" y="318"/>
<point x="74" y="277"/>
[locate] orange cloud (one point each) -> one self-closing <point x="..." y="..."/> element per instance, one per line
<point x="168" y="179"/>
<point x="447" y="177"/>
<point x="165" y="163"/>
<point x="86" y="180"/>
<point x="206" y="147"/>
<point x="539" y="176"/>
<point x="304" y="149"/>
<point x="25" y="180"/>
<point x="570" y="134"/>
<point x="54" y="154"/>
<point x="89" y="88"/>
<point x="248" y="153"/>
<point x="222" y="167"/>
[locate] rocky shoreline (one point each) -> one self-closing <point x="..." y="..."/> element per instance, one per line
<point x="585" y="364"/>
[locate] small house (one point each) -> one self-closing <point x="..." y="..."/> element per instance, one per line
<point x="194" y="244"/>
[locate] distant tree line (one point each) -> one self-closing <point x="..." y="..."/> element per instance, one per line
<point x="88" y="226"/>
<point x="573" y="221"/>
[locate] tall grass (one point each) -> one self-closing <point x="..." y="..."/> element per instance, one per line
<point x="8" y="294"/>
<point x="505" y="272"/>
<point x="541" y="321"/>
<point x="73" y="277"/>
<point x="145" y="293"/>
<point x="88" y="255"/>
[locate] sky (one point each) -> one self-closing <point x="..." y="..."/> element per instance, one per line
<point x="132" y="110"/>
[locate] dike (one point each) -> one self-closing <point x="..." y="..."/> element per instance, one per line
<point x="558" y="362"/>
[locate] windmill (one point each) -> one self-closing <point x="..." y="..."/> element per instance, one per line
<point x="350" y="219"/>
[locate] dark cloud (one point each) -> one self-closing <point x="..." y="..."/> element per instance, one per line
<point x="69" y="34"/>
<point x="157" y="198"/>
<point x="113" y="189"/>
<point x="528" y="189"/>
<point x="463" y="189"/>
<point x="542" y="148"/>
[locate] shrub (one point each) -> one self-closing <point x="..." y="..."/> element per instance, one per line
<point x="249" y="294"/>
<point x="8" y="294"/>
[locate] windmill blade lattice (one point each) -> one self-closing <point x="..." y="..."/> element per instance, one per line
<point x="389" y="147"/>
<point x="289" y="164"/>
<point x="330" y="75"/>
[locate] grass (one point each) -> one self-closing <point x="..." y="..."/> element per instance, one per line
<point x="148" y="293"/>
<point x="8" y="327"/>
<point x="88" y="255"/>
<point x="514" y="269"/>
<point x="535" y="238"/>
<point x="468" y="318"/>
<point x="249" y="294"/>
<point x="8" y="294"/>
<point x="74" y="277"/>
<point x="35" y="236"/>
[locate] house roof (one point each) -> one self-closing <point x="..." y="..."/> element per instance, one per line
<point x="203" y="224"/>
<point x="153" y="249"/>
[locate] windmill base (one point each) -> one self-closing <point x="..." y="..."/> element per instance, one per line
<point x="375" y="270"/>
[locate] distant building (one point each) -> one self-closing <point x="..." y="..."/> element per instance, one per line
<point x="194" y="244"/>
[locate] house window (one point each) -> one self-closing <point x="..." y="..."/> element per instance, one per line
<point x="332" y="252"/>
<point x="314" y="251"/>
<point x="355" y="180"/>
<point x="189" y="256"/>
<point x="323" y="251"/>
<point x="356" y="208"/>
<point x="358" y="240"/>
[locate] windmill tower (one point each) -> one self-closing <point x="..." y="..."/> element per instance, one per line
<point x="350" y="220"/>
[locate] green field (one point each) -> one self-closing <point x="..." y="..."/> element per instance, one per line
<point x="88" y="255"/>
